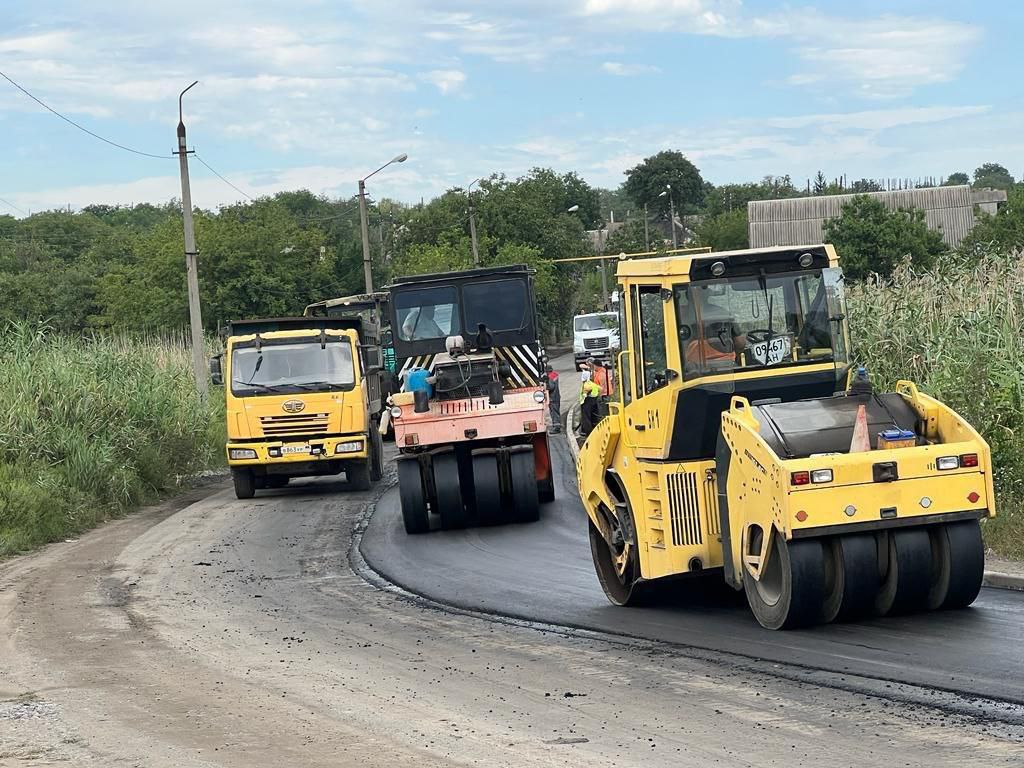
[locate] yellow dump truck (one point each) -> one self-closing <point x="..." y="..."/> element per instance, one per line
<point x="738" y="445"/>
<point x="303" y="399"/>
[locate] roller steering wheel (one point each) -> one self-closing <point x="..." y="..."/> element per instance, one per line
<point x="760" y="334"/>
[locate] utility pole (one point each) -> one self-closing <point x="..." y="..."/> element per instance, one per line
<point x="672" y="216"/>
<point x="365" y="227"/>
<point x="195" y="316"/>
<point x="647" y="237"/>
<point x="364" y="224"/>
<point x="472" y="222"/>
<point x="604" y="273"/>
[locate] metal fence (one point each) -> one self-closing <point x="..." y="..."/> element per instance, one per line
<point x="800" y="220"/>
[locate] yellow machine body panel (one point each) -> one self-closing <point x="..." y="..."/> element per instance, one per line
<point x="299" y="426"/>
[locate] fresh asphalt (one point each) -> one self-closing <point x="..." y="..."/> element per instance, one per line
<point x="543" y="572"/>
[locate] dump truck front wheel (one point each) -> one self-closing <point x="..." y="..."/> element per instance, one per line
<point x="791" y="590"/>
<point x="244" y="482"/>
<point x="358" y="475"/>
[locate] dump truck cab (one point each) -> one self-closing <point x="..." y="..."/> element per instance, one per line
<point x="730" y="447"/>
<point x="301" y="400"/>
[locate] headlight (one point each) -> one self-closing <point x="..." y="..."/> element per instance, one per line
<point x="396" y="411"/>
<point x="352" y="446"/>
<point x="538" y="396"/>
<point x="947" y="462"/>
<point x="242" y="453"/>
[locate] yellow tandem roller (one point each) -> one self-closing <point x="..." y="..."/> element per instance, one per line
<point x="731" y="447"/>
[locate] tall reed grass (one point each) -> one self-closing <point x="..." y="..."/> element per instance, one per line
<point x="92" y="426"/>
<point x="957" y="331"/>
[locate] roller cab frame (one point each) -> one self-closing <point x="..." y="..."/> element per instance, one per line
<point x="473" y="450"/>
<point x="728" y="451"/>
<point x="302" y="399"/>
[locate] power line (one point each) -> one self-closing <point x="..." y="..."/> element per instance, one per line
<point x="82" y="128"/>
<point x="214" y="172"/>
<point x="9" y="204"/>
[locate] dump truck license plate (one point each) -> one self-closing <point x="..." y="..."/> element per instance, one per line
<point x="289" y="449"/>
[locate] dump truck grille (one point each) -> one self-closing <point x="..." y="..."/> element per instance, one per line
<point x="298" y="425"/>
<point x="598" y="342"/>
<point x="684" y="508"/>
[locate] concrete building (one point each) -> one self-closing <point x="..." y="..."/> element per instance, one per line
<point x="799" y="220"/>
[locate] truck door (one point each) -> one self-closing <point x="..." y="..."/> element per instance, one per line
<point x="648" y="415"/>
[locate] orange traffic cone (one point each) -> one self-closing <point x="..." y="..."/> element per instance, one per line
<point x="861" y="441"/>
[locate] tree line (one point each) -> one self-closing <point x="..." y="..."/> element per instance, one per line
<point x="121" y="267"/>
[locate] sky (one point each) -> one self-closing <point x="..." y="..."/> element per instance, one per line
<point x="315" y="94"/>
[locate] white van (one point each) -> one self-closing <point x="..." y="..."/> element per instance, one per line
<point x="595" y="335"/>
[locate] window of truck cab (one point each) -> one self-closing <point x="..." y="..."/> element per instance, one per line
<point x="501" y="305"/>
<point x="292" y="366"/>
<point x="427" y="313"/>
<point x="751" y="322"/>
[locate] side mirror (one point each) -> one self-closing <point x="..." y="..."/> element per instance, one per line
<point x="371" y="358"/>
<point x="216" y="374"/>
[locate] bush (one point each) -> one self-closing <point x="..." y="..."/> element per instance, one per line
<point x="956" y="332"/>
<point x="93" y="427"/>
<point x="874" y="239"/>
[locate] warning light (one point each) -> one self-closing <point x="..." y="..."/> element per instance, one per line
<point x="973" y="497"/>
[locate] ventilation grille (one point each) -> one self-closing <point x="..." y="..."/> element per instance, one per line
<point x="299" y="425"/>
<point x="597" y="342"/>
<point x="684" y="508"/>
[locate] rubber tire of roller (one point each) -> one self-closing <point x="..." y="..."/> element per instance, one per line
<point x="487" y="489"/>
<point x="523" y="482"/>
<point x="244" y="482"/>
<point x="802" y="585"/>
<point x="449" y="491"/>
<point x="855" y="581"/>
<point x="625" y="592"/>
<point x="412" y="497"/>
<point x="958" y="564"/>
<point x="908" y="577"/>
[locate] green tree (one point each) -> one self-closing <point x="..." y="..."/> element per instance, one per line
<point x="630" y="238"/>
<point x="1005" y="228"/>
<point x="956" y="179"/>
<point x="862" y="186"/>
<point x="871" y="238"/>
<point x="646" y="182"/>
<point x="820" y="184"/>
<point x="724" y="232"/>
<point x="728" y="197"/>
<point x="993" y="175"/>
<point x="618" y="202"/>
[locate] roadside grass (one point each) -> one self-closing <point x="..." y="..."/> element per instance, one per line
<point x="957" y="331"/>
<point x="92" y="427"/>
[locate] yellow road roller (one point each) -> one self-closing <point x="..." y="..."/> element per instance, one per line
<point x="742" y="440"/>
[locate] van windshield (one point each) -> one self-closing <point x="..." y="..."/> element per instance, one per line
<point x="752" y="322"/>
<point x="302" y="366"/>
<point x="598" y="322"/>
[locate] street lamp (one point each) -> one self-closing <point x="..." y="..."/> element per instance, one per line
<point x="573" y="209"/>
<point x="672" y="213"/>
<point x="472" y="221"/>
<point x="364" y="224"/>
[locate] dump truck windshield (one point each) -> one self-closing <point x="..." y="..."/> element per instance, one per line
<point x="292" y="367"/>
<point x="743" y="323"/>
<point x="427" y="313"/>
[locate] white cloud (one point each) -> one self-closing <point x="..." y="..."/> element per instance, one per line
<point x="620" y="69"/>
<point x="445" y="80"/>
